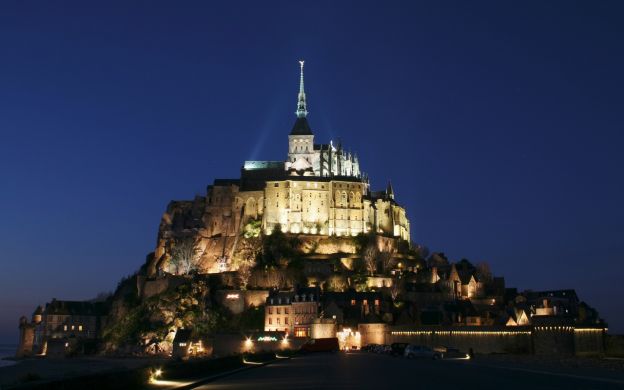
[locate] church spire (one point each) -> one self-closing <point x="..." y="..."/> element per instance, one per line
<point x="302" y="110"/>
<point x="390" y="190"/>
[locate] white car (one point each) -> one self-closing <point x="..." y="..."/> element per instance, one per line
<point x="420" y="351"/>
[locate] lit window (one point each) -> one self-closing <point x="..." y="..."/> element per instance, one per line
<point x="376" y="302"/>
<point x="73" y="327"/>
<point x="65" y="327"/>
<point x="353" y="302"/>
<point x="80" y="328"/>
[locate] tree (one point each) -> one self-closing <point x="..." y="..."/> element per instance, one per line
<point x="278" y="248"/>
<point x="253" y="228"/>
<point x="184" y="255"/>
<point x="370" y="258"/>
<point x="397" y="288"/>
<point x="386" y="260"/>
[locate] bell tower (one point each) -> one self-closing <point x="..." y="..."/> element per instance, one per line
<point x="301" y="139"/>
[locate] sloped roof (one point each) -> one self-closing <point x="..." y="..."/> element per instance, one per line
<point x="301" y="127"/>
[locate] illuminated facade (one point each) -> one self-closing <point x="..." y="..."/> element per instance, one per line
<point x="291" y="312"/>
<point x="319" y="189"/>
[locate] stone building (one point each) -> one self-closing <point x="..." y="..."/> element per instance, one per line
<point x="292" y="312"/>
<point x="67" y="323"/>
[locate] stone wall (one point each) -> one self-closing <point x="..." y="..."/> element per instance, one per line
<point x="479" y="339"/>
<point x="236" y="343"/>
<point x="239" y="300"/>
<point x="322" y="329"/>
<point x="589" y="342"/>
<point x="160" y="285"/>
<point x="373" y="333"/>
<point x="540" y="340"/>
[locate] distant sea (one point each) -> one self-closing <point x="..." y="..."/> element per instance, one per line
<point x="7" y="350"/>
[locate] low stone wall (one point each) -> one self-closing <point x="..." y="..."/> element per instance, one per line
<point x="232" y="344"/>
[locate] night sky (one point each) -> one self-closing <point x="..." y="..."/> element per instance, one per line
<point x="499" y="124"/>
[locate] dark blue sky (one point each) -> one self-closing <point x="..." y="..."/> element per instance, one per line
<point x="499" y="124"/>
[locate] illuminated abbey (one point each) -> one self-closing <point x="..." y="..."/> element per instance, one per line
<point x="319" y="189"/>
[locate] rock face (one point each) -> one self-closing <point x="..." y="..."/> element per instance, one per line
<point x="213" y="226"/>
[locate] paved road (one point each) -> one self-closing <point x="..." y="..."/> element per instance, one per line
<point x="371" y="371"/>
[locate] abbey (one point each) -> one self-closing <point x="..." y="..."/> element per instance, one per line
<point x="319" y="189"/>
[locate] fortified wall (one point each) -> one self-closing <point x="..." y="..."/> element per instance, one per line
<point x="539" y="340"/>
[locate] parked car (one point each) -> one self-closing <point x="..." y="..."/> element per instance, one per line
<point x="384" y="349"/>
<point x="329" y="344"/>
<point x="368" y="347"/>
<point x="420" y="351"/>
<point x="451" y="353"/>
<point x="398" y="349"/>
